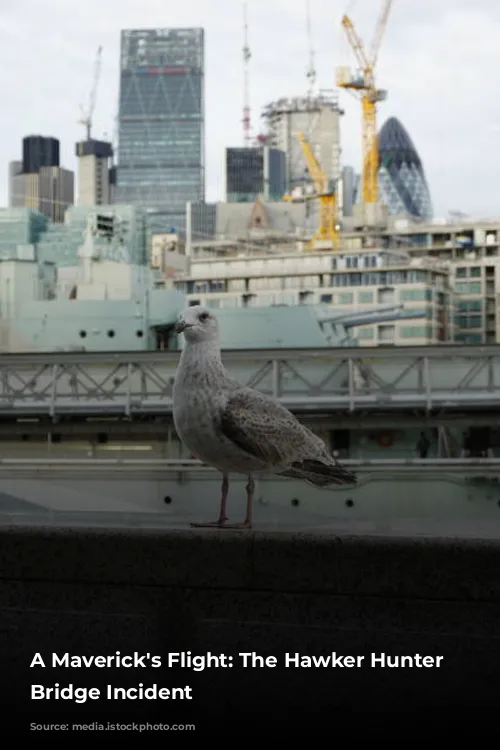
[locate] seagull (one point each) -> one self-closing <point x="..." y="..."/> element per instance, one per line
<point x="236" y="429"/>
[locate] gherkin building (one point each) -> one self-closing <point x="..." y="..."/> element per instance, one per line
<point x="401" y="177"/>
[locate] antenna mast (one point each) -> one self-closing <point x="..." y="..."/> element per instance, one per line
<point x="311" y="68"/>
<point x="246" y="80"/>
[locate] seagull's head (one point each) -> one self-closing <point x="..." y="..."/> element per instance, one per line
<point x="198" y="323"/>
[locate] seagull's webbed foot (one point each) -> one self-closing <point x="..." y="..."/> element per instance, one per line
<point x="223" y="525"/>
<point x="243" y="525"/>
<point x="210" y="524"/>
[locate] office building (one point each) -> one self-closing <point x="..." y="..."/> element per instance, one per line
<point x="49" y="191"/>
<point x="94" y="185"/>
<point x="161" y="124"/>
<point x="468" y="248"/>
<point x="39" y="151"/>
<point x="251" y="172"/>
<point x="38" y="182"/>
<point x="319" y="119"/>
<point x="472" y="248"/>
<point x="354" y="281"/>
<point x="402" y="181"/>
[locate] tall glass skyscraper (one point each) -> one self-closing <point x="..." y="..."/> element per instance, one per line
<point x="251" y="172"/>
<point x="161" y="144"/>
<point x="39" y="151"/>
<point x="402" y="181"/>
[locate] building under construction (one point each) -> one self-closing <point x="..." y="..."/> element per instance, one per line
<point x="319" y="118"/>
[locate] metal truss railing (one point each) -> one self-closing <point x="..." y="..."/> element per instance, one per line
<point x="423" y="379"/>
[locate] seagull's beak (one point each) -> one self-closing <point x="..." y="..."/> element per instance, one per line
<point x="181" y="326"/>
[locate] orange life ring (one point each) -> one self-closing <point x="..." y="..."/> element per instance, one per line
<point x="385" y="439"/>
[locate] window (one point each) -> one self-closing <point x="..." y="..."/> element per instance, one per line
<point x="425" y="312"/>
<point x="385" y="296"/>
<point x="346" y="298"/>
<point x="416" y="294"/>
<point x="468" y="287"/>
<point x="217" y="286"/>
<point x="201" y="286"/>
<point x="472" y="321"/>
<point x="468" y="338"/>
<point x="475" y="272"/>
<point x="365" y="333"/>
<point x="378" y="278"/>
<point x="472" y="305"/>
<point x="386" y="333"/>
<point x="365" y="298"/>
<point x="461" y="273"/>
<point x="416" y="332"/>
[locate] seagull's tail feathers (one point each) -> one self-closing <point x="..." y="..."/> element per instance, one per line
<point x="320" y="474"/>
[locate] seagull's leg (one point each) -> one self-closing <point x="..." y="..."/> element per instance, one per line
<point x="250" y="488"/>
<point x="221" y="523"/>
<point x="247" y="523"/>
<point x="223" y="502"/>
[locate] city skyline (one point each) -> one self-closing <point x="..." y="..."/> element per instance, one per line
<point x="428" y="55"/>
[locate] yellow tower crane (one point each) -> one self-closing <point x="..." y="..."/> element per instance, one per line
<point x="327" y="235"/>
<point x="363" y="83"/>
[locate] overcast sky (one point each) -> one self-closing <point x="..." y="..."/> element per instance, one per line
<point x="439" y="62"/>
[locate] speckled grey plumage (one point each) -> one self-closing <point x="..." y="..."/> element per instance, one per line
<point x="237" y="429"/>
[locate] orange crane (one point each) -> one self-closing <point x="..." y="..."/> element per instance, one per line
<point x="326" y="236"/>
<point x="363" y="84"/>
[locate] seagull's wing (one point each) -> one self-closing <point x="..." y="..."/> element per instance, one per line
<point x="266" y="430"/>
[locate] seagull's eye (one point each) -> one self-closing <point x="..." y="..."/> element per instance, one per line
<point x="203" y="316"/>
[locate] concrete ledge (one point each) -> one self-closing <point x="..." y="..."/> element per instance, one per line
<point x="327" y="562"/>
<point x="95" y="591"/>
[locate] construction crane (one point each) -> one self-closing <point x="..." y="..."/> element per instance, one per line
<point x="363" y="83"/>
<point x="86" y="118"/>
<point x="311" y="68"/>
<point x="327" y="235"/>
<point x="247" y="56"/>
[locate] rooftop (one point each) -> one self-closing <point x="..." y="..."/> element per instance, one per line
<point x="325" y="99"/>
